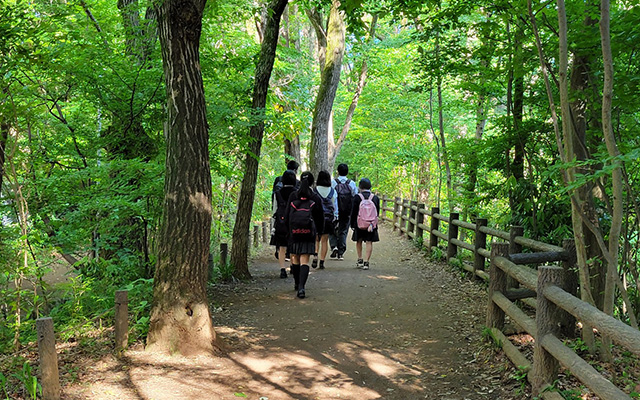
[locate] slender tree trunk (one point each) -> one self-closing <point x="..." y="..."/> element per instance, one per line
<point x="240" y="248"/>
<point x="180" y="319"/>
<point x="4" y="135"/>
<point x="569" y="154"/>
<point x="292" y="148"/>
<point x="334" y="150"/>
<point x="616" y="173"/>
<point x="329" y="80"/>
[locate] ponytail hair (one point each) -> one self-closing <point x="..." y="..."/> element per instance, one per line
<point x="306" y="182"/>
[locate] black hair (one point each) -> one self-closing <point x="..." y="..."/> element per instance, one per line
<point x="324" y="179"/>
<point x="365" y="184"/>
<point x="293" y="165"/>
<point x="343" y="169"/>
<point x="306" y="182"/>
<point x="288" y="178"/>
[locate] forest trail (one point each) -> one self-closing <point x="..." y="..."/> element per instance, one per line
<point x="408" y="328"/>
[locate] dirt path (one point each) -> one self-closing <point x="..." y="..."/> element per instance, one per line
<point x="408" y="328"/>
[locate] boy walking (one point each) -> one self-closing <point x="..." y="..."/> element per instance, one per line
<point x="364" y="221"/>
<point x="346" y="190"/>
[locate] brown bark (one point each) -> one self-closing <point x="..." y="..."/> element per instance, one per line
<point x="329" y="80"/>
<point x="334" y="150"/>
<point x="180" y="319"/>
<point x="240" y="248"/>
<point x="4" y="135"/>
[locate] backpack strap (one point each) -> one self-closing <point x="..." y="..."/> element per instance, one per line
<point x="361" y="197"/>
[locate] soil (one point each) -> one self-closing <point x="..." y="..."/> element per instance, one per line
<point x="408" y="328"/>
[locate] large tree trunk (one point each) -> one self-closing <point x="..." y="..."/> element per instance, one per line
<point x="240" y="247"/>
<point x="330" y="78"/>
<point x="180" y="319"/>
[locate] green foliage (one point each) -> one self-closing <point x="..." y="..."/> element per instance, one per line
<point x="29" y="380"/>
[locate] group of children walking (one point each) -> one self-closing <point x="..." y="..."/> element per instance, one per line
<point x="310" y="215"/>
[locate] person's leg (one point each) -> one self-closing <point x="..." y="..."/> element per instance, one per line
<point x="314" y="263"/>
<point x="360" y="262"/>
<point x="304" y="274"/>
<point x="333" y="241"/>
<point x="369" y="250"/>
<point x="295" y="271"/>
<point x="324" y="247"/>
<point x="283" y="271"/>
<point x="342" y="239"/>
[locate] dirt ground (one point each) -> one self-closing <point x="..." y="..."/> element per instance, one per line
<point x="408" y="328"/>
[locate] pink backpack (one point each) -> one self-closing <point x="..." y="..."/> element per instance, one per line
<point x="367" y="213"/>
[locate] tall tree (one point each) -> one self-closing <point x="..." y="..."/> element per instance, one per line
<point x="329" y="80"/>
<point x="180" y="319"/>
<point x="240" y="248"/>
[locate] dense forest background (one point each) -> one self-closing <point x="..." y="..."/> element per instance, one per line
<point x="523" y="113"/>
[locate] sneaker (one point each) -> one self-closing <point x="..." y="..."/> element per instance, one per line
<point x="283" y="273"/>
<point x="321" y="266"/>
<point x="314" y="263"/>
<point x="365" y="265"/>
<point x="334" y="253"/>
<point x="287" y="259"/>
<point x="301" y="294"/>
<point x="360" y="263"/>
<point x="340" y="257"/>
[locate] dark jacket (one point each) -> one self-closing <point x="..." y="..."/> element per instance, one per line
<point x="356" y="206"/>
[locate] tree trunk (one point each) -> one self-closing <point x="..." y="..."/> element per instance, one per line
<point x="569" y="154"/>
<point x="180" y="319"/>
<point x="4" y="135"/>
<point x="334" y="150"/>
<point x="329" y="80"/>
<point x="586" y="115"/>
<point x="292" y="148"/>
<point x="240" y="247"/>
<point x="616" y="173"/>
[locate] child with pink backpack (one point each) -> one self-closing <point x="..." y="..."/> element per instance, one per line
<point x="364" y="221"/>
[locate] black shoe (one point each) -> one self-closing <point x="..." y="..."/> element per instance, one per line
<point x="301" y="294"/>
<point x="334" y="253"/>
<point x="321" y="264"/>
<point x="283" y="273"/>
<point x="314" y="264"/>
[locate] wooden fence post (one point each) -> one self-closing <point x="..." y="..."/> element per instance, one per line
<point x="435" y="225"/>
<point x="403" y="219"/>
<point x="480" y="242"/>
<point x="49" y="378"/>
<point x="396" y="210"/>
<point x="545" y="366"/>
<point x="570" y="285"/>
<point x="256" y="235"/>
<point x="224" y="250"/>
<point x="420" y="221"/>
<point x="383" y="206"/>
<point x="411" y="230"/>
<point x="514" y="248"/>
<point x="452" y="249"/>
<point x="265" y="232"/>
<point x="497" y="283"/>
<point x="122" y="319"/>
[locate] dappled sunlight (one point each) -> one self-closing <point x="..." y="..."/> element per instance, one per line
<point x="387" y="277"/>
<point x="380" y="364"/>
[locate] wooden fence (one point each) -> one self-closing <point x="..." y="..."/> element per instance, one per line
<point x="550" y="290"/>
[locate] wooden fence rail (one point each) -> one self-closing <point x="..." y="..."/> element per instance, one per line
<point x="550" y="289"/>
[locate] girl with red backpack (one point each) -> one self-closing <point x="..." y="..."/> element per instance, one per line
<point x="364" y="221"/>
<point x="304" y="218"/>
